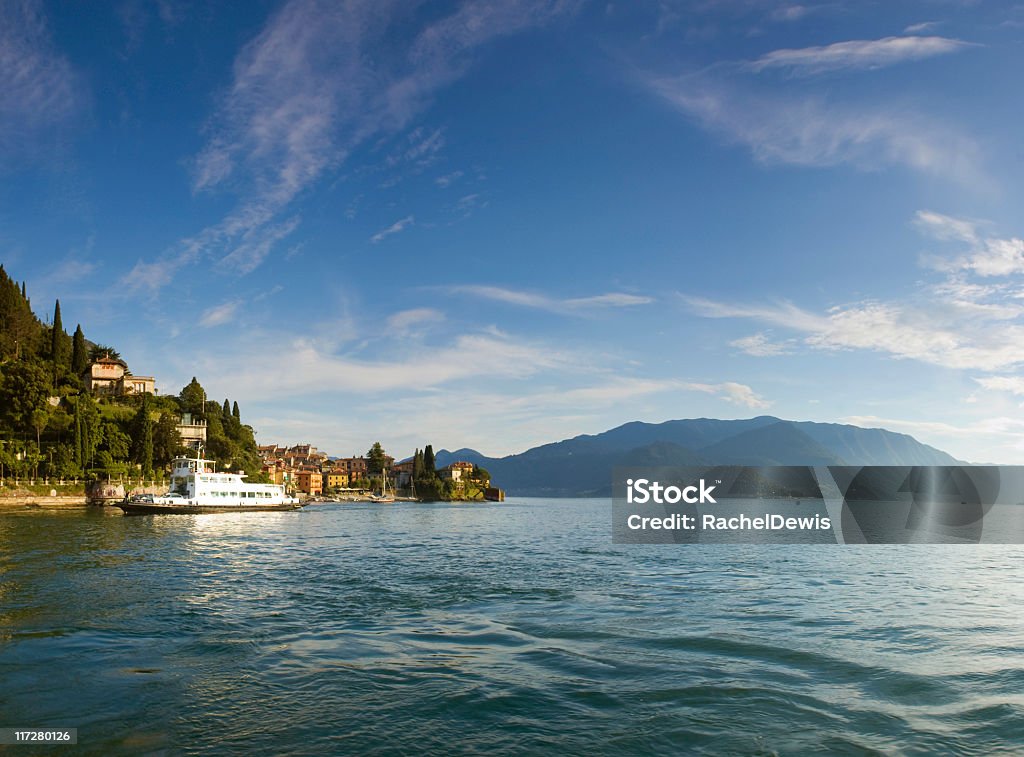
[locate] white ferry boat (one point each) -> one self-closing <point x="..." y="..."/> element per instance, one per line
<point x="196" y="487"/>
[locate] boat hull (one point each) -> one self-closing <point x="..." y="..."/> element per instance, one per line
<point x="151" y="508"/>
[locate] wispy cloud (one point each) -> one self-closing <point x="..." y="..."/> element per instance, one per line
<point x="313" y="366"/>
<point x="1001" y="435"/>
<point x="808" y="131"/>
<point x="448" y="179"/>
<point x="320" y="79"/>
<point x="921" y="27"/>
<point x="760" y="345"/>
<point x="857" y="54"/>
<point x="529" y="414"/>
<point x="937" y="333"/>
<point x="954" y="323"/>
<point x="552" y="304"/>
<point x="394" y="228"/>
<point x="940" y="226"/>
<point x="220" y="314"/>
<point x="41" y="91"/>
<point x="986" y="256"/>
<point x="736" y="394"/>
<point x="1011" y="384"/>
<point x="405" y="322"/>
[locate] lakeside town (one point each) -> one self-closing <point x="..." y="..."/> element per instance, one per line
<point x="76" y="421"/>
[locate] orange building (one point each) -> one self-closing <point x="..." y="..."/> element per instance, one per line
<point x="309" y="481"/>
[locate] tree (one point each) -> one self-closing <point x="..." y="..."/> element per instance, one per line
<point x="417" y="464"/>
<point x="60" y="347"/>
<point x="25" y="389"/>
<point x="115" y="441"/>
<point x="100" y="351"/>
<point x="429" y="467"/>
<point x="376" y="459"/>
<point x="166" y="439"/>
<point x="235" y="413"/>
<point x="79" y="355"/>
<point x="63" y="465"/>
<point x="226" y="410"/>
<point x="142" y="437"/>
<point x="193" y="399"/>
<point x="40" y="420"/>
<point x="88" y="432"/>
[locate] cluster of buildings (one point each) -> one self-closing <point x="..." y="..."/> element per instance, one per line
<point x="306" y="469"/>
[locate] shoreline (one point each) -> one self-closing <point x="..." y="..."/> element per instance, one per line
<point x="19" y="502"/>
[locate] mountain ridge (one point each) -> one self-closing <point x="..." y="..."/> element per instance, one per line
<point x="582" y="465"/>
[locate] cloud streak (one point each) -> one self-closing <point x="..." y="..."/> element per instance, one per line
<point x="41" y="91"/>
<point x="395" y="228"/>
<point x="954" y="323"/>
<point x="809" y="131"/>
<point x="320" y="79"/>
<point x="856" y="54"/>
<point x="577" y="305"/>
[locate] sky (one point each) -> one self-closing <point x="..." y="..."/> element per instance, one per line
<point x="500" y="224"/>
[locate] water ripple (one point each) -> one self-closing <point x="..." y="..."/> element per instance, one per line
<point x="432" y="629"/>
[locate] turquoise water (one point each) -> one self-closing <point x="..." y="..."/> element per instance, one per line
<point x="498" y="629"/>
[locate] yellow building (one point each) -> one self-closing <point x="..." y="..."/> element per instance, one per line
<point x="337" y="480"/>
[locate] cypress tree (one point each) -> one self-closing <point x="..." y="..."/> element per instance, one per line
<point x="58" y="345"/>
<point x="428" y="460"/>
<point x="79" y="446"/>
<point x="227" y="408"/>
<point x="143" y="437"/>
<point x="58" y="327"/>
<point x="79" y="355"/>
<point x="234" y="412"/>
<point x="417" y="464"/>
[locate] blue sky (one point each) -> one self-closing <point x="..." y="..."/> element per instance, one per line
<point x="497" y="224"/>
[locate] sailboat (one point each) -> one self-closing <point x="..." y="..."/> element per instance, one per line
<point x="384" y="496"/>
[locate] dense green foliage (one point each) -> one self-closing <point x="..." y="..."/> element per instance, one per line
<point x="50" y="426"/>
<point x="376" y="458"/>
<point x="428" y="485"/>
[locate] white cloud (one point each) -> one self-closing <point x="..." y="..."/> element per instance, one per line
<point x="394" y="228"/>
<point x="987" y="256"/>
<point x="219" y="314"/>
<point x="314" y="368"/>
<point x="405" y="321"/>
<point x="255" y="244"/>
<point x="41" y="91"/>
<point x="789" y="12"/>
<point x="448" y="179"/>
<point x="999" y="436"/>
<point x="552" y="304"/>
<point x="930" y="332"/>
<point x="856" y="54"/>
<point x="954" y="323"/>
<point x="532" y="413"/>
<point x="320" y="79"/>
<point x="1012" y="384"/>
<point x="806" y="131"/>
<point x="759" y="345"/>
<point x="944" y="227"/>
<point x="730" y="391"/>
<point x="923" y="26"/>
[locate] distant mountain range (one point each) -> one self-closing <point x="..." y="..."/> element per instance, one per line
<point x="582" y="466"/>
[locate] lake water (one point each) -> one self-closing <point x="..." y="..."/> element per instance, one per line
<point x="497" y="629"/>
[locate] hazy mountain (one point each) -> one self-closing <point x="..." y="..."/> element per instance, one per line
<point x="583" y="465"/>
